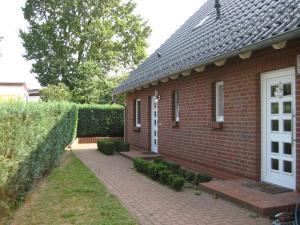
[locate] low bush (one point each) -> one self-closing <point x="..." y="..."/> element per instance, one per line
<point x="164" y="176"/>
<point x="202" y="178"/>
<point x="188" y="176"/>
<point x="154" y="170"/>
<point x="160" y="172"/>
<point x="33" y="136"/>
<point x="100" y="121"/>
<point x="107" y="147"/>
<point x="177" y="182"/>
<point x="122" y="146"/>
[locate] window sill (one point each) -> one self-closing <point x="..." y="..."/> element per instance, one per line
<point x="175" y="124"/>
<point x="137" y="129"/>
<point x="217" y="125"/>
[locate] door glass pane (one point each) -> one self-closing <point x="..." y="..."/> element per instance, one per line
<point x="274" y="164"/>
<point x="287" y="148"/>
<point x="274" y="108"/>
<point x="287" y="125"/>
<point x="275" y="125"/>
<point x="273" y="90"/>
<point x="287" y="166"/>
<point x="275" y="147"/>
<point x="287" y="89"/>
<point x="287" y="107"/>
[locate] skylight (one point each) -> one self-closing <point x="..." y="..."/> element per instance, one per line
<point x="201" y="22"/>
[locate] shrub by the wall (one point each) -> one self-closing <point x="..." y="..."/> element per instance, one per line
<point x="32" y="138"/>
<point x="158" y="171"/>
<point x="100" y="121"/>
<point x="189" y="176"/>
<point x="107" y="147"/>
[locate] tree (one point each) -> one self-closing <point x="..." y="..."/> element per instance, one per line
<point x="92" y="86"/>
<point x="56" y="93"/>
<point x="64" y="35"/>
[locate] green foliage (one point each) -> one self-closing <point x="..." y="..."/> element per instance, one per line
<point x="107" y="147"/>
<point x="188" y="176"/>
<point x="159" y="171"/>
<point x="176" y="182"/>
<point x="56" y="93"/>
<point x="33" y="136"/>
<point x="202" y="178"/>
<point x="100" y="120"/>
<point x="164" y="176"/>
<point x="122" y="146"/>
<point x="64" y="35"/>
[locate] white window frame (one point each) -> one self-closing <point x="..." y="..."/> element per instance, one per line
<point x="176" y="105"/>
<point x="137" y="113"/>
<point x="218" y="117"/>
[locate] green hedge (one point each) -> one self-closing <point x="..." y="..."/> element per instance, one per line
<point x="33" y="137"/>
<point x="108" y="147"/>
<point x="159" y="172"/>
<point x="100" y="121"/>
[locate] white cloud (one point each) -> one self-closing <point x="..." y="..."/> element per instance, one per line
<point x="164" y="17"/>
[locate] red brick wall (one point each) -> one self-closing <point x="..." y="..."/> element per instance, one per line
<point x="90" y="140"/>
<point x="235" y="149"/>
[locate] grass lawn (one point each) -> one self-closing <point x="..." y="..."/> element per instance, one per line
<point x="72" y="195"/>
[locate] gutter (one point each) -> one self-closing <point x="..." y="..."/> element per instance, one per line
<point x="263" y="44"/>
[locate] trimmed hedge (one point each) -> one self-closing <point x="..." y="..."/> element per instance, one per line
<point x="100" y="121"/>
<point x="159" y="172"/>
<point x="33" y="136"/>
<point x="187" y="175"/>
<point x="108" y="147"/>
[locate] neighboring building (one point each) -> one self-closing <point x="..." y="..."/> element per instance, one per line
<point x="34" y="95"/>
<point x="14" y="91"/>
<point x="221" y="95"/>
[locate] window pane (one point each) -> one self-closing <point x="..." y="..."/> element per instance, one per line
<point x="275" y="147"/>
<point x="274" y="164"/>
<point x="273" y="90"/>
<point x="275" y="108"/>
<point x="274" y="125"/>
<point x="287" y="125"/>
<point x="287" y="107"/>
<point x="287" y="166"/>
<point x="287" y="148"/>
<point x="220" y="99"/>
<point x="138" y="112"/>
<point x="287" y="89"/>
<point x="176" y="106"/>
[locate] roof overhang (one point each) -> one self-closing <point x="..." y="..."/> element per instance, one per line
<point x="218" y="60"/>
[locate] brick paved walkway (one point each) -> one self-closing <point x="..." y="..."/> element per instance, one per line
<point x="152" y="203"/>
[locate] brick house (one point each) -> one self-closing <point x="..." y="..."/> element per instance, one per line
<point x="221" y="95"/>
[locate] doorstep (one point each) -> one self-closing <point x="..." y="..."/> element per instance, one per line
<point x="262" y="203"/>
<point x="141" y="154"/>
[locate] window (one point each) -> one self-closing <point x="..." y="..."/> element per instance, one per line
<point x="219" y="102"/>
<point x="176" y="105"/>
<point x="138" y="112"/>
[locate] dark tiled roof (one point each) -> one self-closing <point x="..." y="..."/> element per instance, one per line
<point x="243" y="24"/>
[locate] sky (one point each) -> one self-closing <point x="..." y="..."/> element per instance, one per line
<point x="163" y="16"/>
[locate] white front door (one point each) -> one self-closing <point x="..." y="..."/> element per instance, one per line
<point x="278" y="128"/>
<point x="154" y="124"/>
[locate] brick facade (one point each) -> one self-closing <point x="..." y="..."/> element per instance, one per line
<point x="231" y="151"/>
